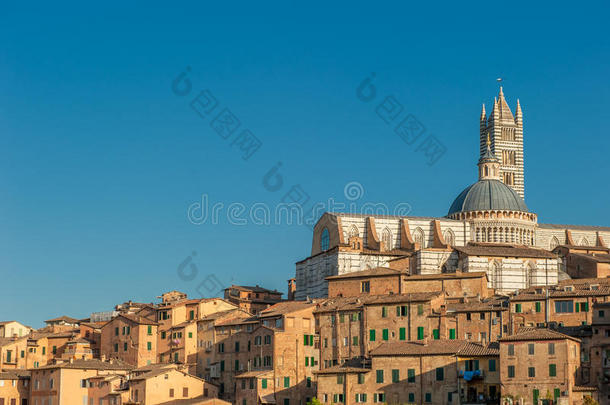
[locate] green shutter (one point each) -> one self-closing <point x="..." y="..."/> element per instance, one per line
<point x="440" y="374"/>
<point x="372" y="335"/>
<point x="586" y="307"/>
<point x="420" y="333"/>
<point x="451" y="333"/>
<point x="578" y="307"/>
<point x="411" y="375"/>
<point x="538" y="306"/>
<point x="557" y="393"/>
<point x="436" y="334"/>
<point x="395" y="376"/>
<point x="411" y="397"/>
<point x="286" y="382"/>
<point x="476" y="365"/>
<point x="552" y="370"/>
<point x="264" y="383"/>
<point x="492" y="364"/>
<point x="518" y="308"/>
<point x="402" y="333"/>
<point x="385" y="334"/>
<point x="306" y="361"/>
<point x="379" y="376"/>
<point x="536" y="394"/>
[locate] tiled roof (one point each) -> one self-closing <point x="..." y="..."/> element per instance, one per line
<point x="436" y="347"/>
<point x="141" y="320"/>
<point x="504" y="250"/>
<point x="14" y="374"/>
<point x="253" y="289"/>
<point x="356" y="302"/>
<point x="5" y="322"/>
<point x="342" y="370"/>
<point x="486" y="306"/>
<point x="599" y="258"/>
<point x="92" y="364"/>
<point x="238" y="321"/>
<point x="375" y="272"/>
<point x="64" y="318"/>
<point x="574" y="227"/>
<point x="254" y="373"/>
<point x="286" y="307"/>
<point x="583" y="388"/>
<point x="526" y="334"/>
<point x="446" y="276"/>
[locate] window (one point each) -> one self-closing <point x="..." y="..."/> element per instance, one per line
<point x="436" y="334"/>
<point x="163" y="334"/>
<point x="264" y="383"/>
<point x="511" y="350"/>
<point x="402" y="333"/>
<point x="411" y="375"/>
<point x="482" y="315"/>
<point x="440" y="374"/>
<point x="149" y="346"/>
<point x="411" y="397"/>
<point x="341" y="318"/>
<point x="125" y="346"/>
<point x="395" y="376"/>
<point x="530" y="348"/>
<point x="420" y="333"/>
<point x="552" y="370"/>
<point x="325" y="240"/>
<point x="420" y="309"/>
<point x="384" y="312"/>
<point x="116" y="331"/>
<point x="518" y="308"/>
<point x="551" y="348"/>
<point x="385" y="334"/>
<point x="451" y="333"/>
<point x="116" y="347"/>
<point x="355" y="341"/>
<point x="185" y="392"/>
<point x="365" y="287"/>
<point x="428" y="397"/>
<point x="339" y="378"/>
<point x="54" y="350"/>
<point x="379" y="376"/>
<point x="492" y="365"/>
<point x="361" y="378"/>
<point x="531" y="372"/>
<point x="562" y="307"/>
<point x="511" y="371"/>
<point x="582" y="307"/>
<point x="286" y="382"/>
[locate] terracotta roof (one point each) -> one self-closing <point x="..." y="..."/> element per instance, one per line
<point x="235" y="313"/>
<point x="356" y="302"/>
<point x="140" y="320"/>
<point x="5" y="322"/>
<point x="159" y="371"/>
<point x="583" y="388"/>
<point x="286" y="307"/>
<point x="238" y="321"/>
<point x="436" y="347"/>
<point x="445" y="276"/>
<point x="14" y="374"/>
<point x="342" y="370"/>
<point x="504" y="250"/>
<point x="583" y="247"/>
<point x="92" y="364"/>
<point x="64" y="318"/>
<point x="255" y="373"/>
<point x="599" y="258"/>
<point x="486" y="306"/>
<point x="526" y="334"/>
<point x="375" y="272"/>
<point x="574" y="227"/>
<point x="253" y="289"/>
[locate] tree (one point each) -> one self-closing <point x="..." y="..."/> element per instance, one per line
<point x="588" y="400"/>
<point x="314" y="401"/>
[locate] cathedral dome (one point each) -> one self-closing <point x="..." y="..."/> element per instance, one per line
<point x="488" y="194"/>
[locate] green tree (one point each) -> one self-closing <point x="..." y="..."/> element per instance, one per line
<point x="314" y="401"/>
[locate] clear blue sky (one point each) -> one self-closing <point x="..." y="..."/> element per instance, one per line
<point x="99" y="159"/>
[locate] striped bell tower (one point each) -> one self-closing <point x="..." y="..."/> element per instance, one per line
<point x="505" y="133"/>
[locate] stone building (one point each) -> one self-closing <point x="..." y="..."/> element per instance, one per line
<point x="435" y="372"/>
<point x="541" y="364"/>
<point x="10" y="329"/>
<point x="280" y="339"/>
<point x="486" y="218"/>
<point x="600" y="350"/>
<point x="207" y="338"/>
<point x="131" y="339"/>
<point x="568" y="303"/>
<point x="15" y="387"/>
<point x="252" y="299"/>
<point x="68" y="382"/>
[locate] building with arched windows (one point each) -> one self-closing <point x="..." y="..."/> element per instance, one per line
<point x="488" y="227"/>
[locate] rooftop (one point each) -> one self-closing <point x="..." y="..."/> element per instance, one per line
<point x="436" y="347"/>
<point x="527" y="334"/>
<point x="503" y="250"/>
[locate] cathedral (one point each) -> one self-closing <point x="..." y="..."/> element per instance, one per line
<point x="488" y="227"/>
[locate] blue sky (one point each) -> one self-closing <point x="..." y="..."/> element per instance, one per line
<point x="100" y="160"/>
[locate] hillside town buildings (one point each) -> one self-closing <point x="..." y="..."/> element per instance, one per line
<point x="482" y="305"/>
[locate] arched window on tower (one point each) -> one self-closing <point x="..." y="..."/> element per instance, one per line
<point x="386" y="238"/>
<point x="554" y="243"/>
<point x="449" y="237"/>
<point x="325" y="240"/>
<point x="353" y="231"/>
<point x="418" y="237"/>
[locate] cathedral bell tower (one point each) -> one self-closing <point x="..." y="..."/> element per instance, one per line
<point x="502" y="133"/>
